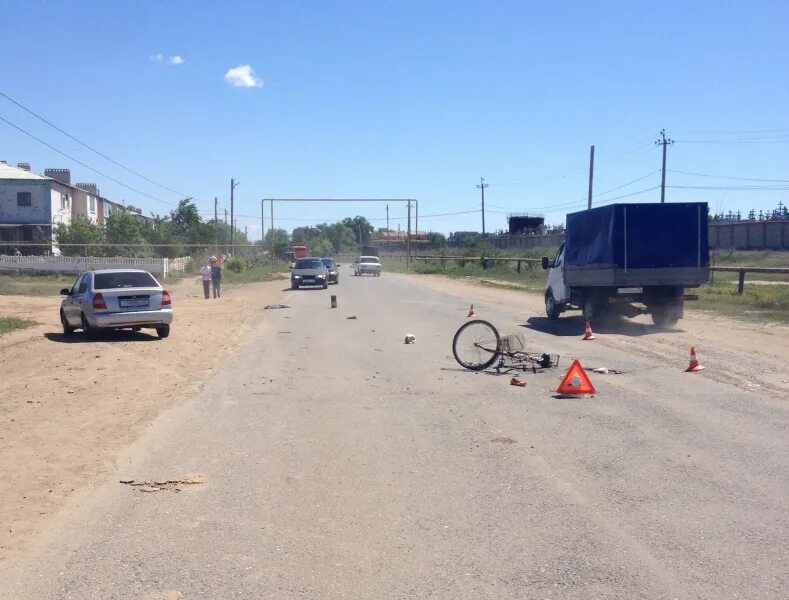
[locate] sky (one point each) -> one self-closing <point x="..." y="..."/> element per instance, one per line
<point x="402" y="99"/>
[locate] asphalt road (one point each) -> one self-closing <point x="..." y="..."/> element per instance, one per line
<point x="341" y="463"/>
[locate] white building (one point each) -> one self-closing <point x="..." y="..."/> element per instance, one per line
<point x="30" y="207"/>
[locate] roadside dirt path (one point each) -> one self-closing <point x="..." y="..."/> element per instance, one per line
<point x="749" y="354"/>
<point x="67" y="406"/>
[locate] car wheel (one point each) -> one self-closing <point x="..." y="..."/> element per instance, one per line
<point x="67" y="329"/>
<point x="294" y="286"/>
<point x="326" y="286"/>
<point x="163" y="331"/>
<point x="90" y="332"/>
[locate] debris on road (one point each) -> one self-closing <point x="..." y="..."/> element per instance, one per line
<point x="353" y="318"/>
<point x="410" y="338"/>
<point x="503" y="440"/>
<point x="518" y="382"/>
<point x="605" y="371"/>
<point x="168" y="484"/>
<point x="334" y="301"/>
<point x="471" y="314"/>
<point x="272" y="306"/>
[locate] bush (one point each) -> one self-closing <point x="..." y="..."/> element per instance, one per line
<point x="235" y="264"/>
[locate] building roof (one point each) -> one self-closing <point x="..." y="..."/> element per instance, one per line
<point x="10" y="172"/>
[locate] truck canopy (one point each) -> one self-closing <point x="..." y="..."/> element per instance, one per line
<point x="659" y="243"/>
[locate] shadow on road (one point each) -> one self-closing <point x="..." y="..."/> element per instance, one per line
<point x="120" y="335"/>
<point x="574" y="326"/>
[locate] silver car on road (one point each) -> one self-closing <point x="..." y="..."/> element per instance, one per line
<point x="116" y="299"/>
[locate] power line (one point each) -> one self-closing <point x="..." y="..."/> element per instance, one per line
<point x="751" y="188"/>
<point x="742" y="141"/>
<point x="732" y="178"/>
<point x="79" y="162"/>
<point x="92" y="149"/>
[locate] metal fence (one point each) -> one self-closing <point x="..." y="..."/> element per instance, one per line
<point x="77" y="264"/>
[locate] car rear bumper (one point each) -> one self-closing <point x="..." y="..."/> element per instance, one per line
<point x="370" y="270"/>
<point x="138" y="318"/>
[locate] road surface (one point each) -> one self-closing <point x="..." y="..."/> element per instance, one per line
<point x="339" y="462"/>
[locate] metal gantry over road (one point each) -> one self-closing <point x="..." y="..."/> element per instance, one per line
<point x="408" y="201"/>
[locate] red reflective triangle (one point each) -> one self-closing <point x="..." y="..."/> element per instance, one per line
<point x="576" y="381"/>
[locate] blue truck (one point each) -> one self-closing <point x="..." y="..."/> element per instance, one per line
<point x="630" y="259"/>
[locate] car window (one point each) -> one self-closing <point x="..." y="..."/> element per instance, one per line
<point x="123" y="279"/>
<point x="370" y="259"/>
<point x="83" y="284"/>
<point x="309" y="263"/>
<point x="75" y="287"/>
<point x="557" y="261"/>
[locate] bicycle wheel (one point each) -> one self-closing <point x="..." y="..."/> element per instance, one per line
<point x="476" y="345"/>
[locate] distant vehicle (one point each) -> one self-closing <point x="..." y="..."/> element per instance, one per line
<point x="630" y="259"/>
<point x="298" y="250"/>
<point x="332" y="267"/>
<point x="309" y="271"/>
<point x="367" y="265"/>
<point x="116" y="299"/>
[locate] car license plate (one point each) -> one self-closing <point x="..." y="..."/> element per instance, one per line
<point x="133" y="302"/>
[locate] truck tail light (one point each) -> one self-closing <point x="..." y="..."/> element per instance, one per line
<point x="166" y="300"/>
<point x="98" y="302"/>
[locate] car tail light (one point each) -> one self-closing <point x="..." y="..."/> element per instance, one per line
<point x="98" y="302"/>
<point x="166" y="300"/>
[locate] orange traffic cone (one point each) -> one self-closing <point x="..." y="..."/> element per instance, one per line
<point x="471" y="313"/>
<point x="588" y="335"/>
<point x="694" y="365"/>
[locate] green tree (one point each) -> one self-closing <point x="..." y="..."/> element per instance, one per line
<point x="361" y="227"/>
<point x="321" y="247"/>
<point x="341" y="237"/>
<point x="281" y="239"/>
<point x="121" y="227"/>
<point x="79" y="231"/>
<point x="436" y="240"/>
<point x="186" y="222"/>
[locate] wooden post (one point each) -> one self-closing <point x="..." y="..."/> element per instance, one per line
<point x="741" y="282"/>
<point x="519" y="266"/>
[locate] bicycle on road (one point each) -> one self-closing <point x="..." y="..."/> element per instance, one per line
<point x="477" y="345"/>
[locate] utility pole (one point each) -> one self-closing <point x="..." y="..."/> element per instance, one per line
<point x="262" y="225"/>
<point x="233" y="186"/>
<point x="663" y="142"/>
<point x="408" y="233"/>
<point x="272" y="227"/>
<point x="216" y="222"/>
<point x="387" y="218"/>
<point x="591" y="175"/>
<point x="246" y="233"/>
<point x="482" y="185"/>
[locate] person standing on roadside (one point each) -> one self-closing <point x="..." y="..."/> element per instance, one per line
<point x="216" y="277"/>
<point x="205" y="275"/>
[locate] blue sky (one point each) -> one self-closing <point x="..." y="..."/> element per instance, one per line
<point x="403" y="100"/>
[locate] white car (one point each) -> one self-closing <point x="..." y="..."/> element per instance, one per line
<point x="367" y="265"/>
<point x="116" y="299"/>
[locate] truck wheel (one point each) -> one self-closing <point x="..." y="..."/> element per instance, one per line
<point x="552" y="308"/>
<point x="664" y="315"/>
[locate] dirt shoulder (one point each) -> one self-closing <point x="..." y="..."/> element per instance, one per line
<point x="68" y="406"/>
<point x="749" y="354"/>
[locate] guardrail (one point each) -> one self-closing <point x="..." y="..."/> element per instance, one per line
<point x="743" y="270"/>
<point x="531" y="261"/>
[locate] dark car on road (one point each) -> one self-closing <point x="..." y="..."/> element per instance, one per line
<point x="331" y="266"/>
<point x="309" y="271"/>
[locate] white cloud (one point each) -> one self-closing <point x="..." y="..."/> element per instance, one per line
<point x="243" y="76"/>
<point x="156" y="57"/>
<point x="176" y="60"/>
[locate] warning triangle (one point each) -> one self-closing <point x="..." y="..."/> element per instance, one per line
<point x="576" y="381"/>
